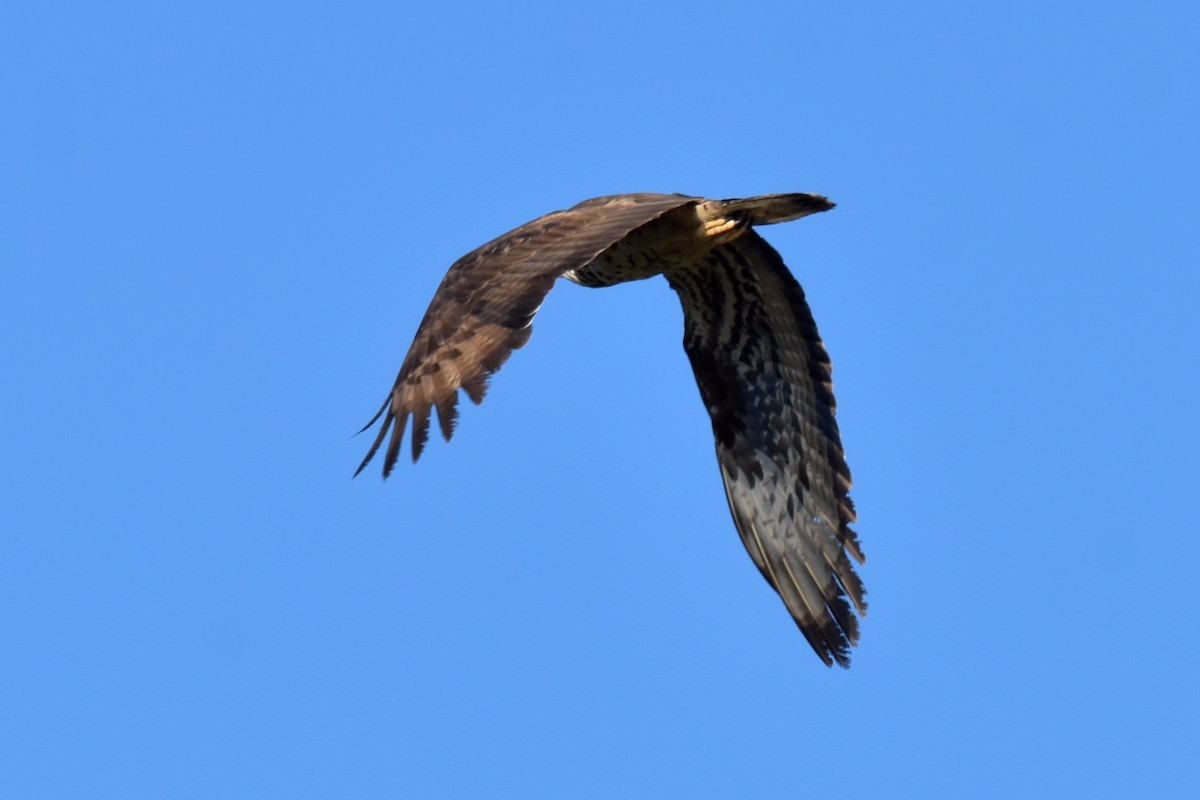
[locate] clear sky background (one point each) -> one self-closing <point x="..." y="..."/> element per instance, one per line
<point x="220" y="224"/>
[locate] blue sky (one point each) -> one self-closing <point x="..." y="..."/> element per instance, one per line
<point x="221" y="224"/>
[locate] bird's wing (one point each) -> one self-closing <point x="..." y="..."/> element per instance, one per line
<point x="485" y="305"/>
<point x="765" y="377"/>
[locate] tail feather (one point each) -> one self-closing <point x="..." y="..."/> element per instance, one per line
<point x="768" y="209"/>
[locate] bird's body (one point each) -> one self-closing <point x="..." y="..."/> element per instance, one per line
<point x="760" y="365"/>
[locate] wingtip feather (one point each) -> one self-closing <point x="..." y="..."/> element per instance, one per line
<point x="393" y="451"/>
<point x="447" y="414"/>
<point x="420" y="431"/>
<point x="387" y="422"/>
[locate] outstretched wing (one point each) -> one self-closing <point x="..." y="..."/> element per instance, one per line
<point x="765" y="377"/>
<point x="484" y="310"/>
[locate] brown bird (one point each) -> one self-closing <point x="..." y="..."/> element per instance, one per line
<point x="761" y="367"/>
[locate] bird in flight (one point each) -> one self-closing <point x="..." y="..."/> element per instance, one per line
<point x="761" y="367"/>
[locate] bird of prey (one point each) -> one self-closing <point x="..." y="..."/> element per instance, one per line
<point x="761" y="367"/>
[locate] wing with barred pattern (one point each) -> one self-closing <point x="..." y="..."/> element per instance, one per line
<point x="765" y="378"/>
<point x="485" y="306"/>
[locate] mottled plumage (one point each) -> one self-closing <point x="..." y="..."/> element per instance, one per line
<point x="762" y="370"/>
